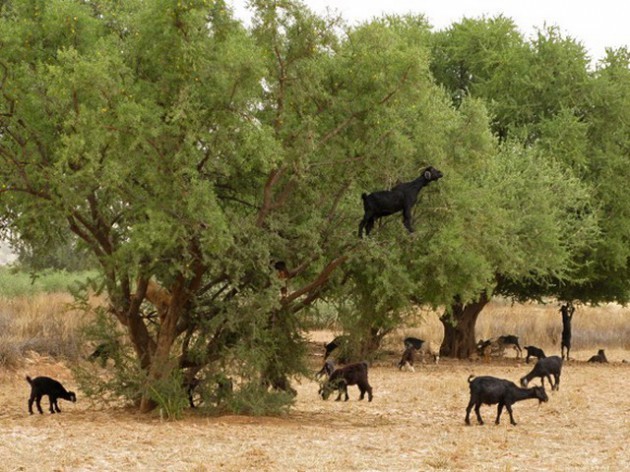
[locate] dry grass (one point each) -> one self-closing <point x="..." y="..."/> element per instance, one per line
<point x="43" y="323"/>
<point x="416" y="422"/>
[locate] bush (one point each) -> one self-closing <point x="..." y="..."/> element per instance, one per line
<point x="255" y="400"/>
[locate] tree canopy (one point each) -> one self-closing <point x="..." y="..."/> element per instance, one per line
<point x="214" y="172"/>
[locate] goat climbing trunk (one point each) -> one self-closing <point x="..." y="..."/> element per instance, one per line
<point x="459" y="328"/>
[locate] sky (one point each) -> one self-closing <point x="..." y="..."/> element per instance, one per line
<point x="596" y="24"/>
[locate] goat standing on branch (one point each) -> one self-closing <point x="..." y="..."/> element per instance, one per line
<point x="401" y="198"/>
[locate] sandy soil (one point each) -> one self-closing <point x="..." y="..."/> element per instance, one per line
<point x="416" y="422"/>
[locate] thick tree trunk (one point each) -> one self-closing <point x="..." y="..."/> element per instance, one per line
<point x="161" y="362"/>
<point x="459" y="328"/>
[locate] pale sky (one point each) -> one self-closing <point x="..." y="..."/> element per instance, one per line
<point x="596" y="24"/>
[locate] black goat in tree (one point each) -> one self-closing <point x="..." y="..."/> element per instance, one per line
<point x="401" y="198"/>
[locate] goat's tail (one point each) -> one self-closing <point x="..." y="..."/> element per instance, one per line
<point x="363" y="196"/>
<point x="470" y="377"/>
<point x="29" y="380"/>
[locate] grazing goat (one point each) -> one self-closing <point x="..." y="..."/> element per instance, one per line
<point x="496" y="346"/>
<point x="533" y="351"/>
<point x="490" y="347"/>
<point x="326" y="371"/>
<point x="41" y="386"/>
<point x="567" y="311"/>
<point x="400" y="198"/>
<point x="341" y="378"/>
<point x="408" y="358"/>
<point x="511" y="340"/>
<point x="545" y="368"/>
<point x="423" y="348"/>
<point x="491" y="390"/>
<point x="599" y="357"/>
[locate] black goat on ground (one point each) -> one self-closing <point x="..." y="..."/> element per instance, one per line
<point x="533" y="351"/>
<point x="352" y="374"/>
<point x="491" y="390"/>
<point x="400" y="198"/>
<point x="547" y="367"/>
<point x="511" y="340"/>
<point x="413" y="342"/>
<point x="408" y="358"/>
<point x="41" y="386"/>
<point x="599" y="357"/>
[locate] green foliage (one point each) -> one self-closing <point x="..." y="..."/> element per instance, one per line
<point x="169" y="395"/>
<point x="16" y="282"/>
<point x="189" y="155"/>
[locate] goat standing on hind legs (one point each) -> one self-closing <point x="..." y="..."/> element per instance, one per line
<point x="401" y="198"/>
<point x="567" y="311"/>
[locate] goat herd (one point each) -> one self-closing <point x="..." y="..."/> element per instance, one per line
<point x="483" y="390"/>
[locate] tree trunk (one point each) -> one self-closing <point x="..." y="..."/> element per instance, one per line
<point x="459" y="328"/>
<point x="161" y="362"/>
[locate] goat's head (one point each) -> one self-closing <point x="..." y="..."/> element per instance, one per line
<point x="541" y="394"/>
<point x="325" y="390"/>
<point x="328" y="387"/>
<point x="431" y="173"/>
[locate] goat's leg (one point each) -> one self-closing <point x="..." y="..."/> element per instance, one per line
<point x="361" y="226"/>
<point x="509" y="409"/>
<point x="51" y="400"/>
<point x="407" y="218"/>
<point x="557" y="386"/>
<point x="499" y="411"/>
<point x="366" y="223"/>
<point x="56" y="405"/>
<point x="477" y="406"/>
<point x="468" y="408"/>
<point x="38" y="403"/>
<point x="369" y="226"/>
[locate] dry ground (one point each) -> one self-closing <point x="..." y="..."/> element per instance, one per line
<point x="416" y="422"/>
